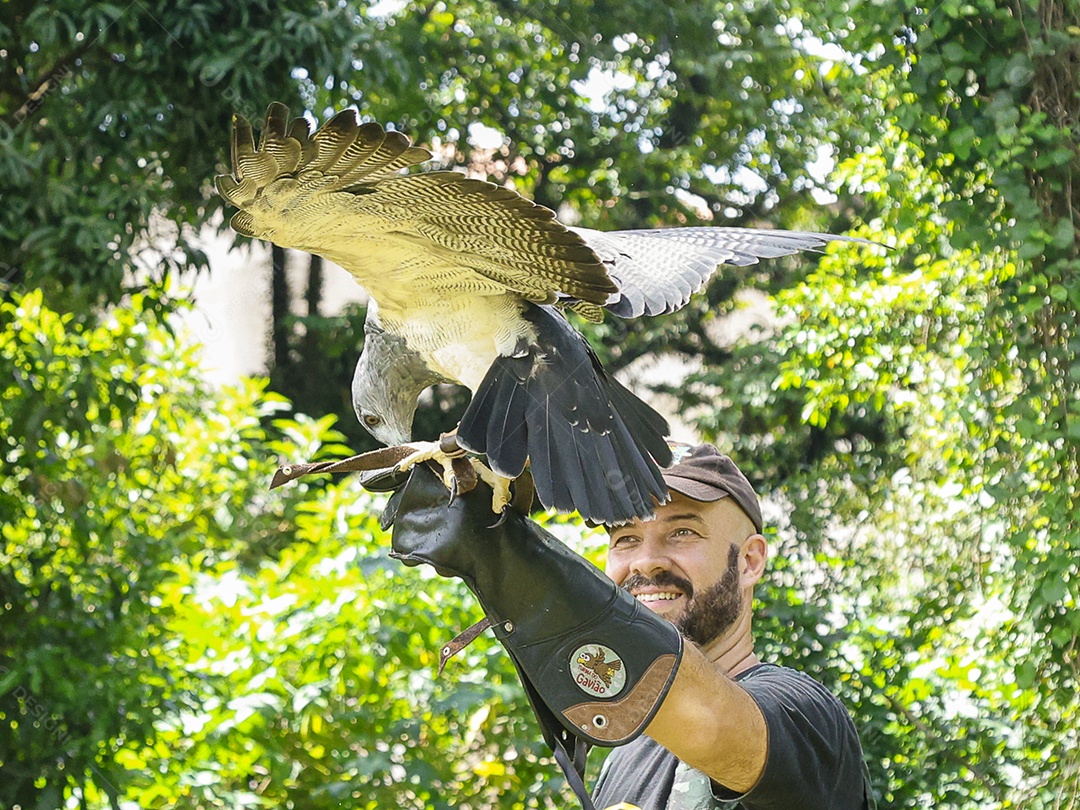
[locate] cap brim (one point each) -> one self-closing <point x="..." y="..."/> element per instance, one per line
<point x="695" y="490"/>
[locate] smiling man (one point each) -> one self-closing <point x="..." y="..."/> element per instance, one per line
<point x="658" y="656"/>
<point x="732" y="731"/>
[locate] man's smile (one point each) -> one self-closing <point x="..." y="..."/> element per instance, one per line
<point x="656" y="598"/>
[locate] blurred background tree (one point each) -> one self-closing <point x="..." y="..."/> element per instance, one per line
<point x="172" y="635"/>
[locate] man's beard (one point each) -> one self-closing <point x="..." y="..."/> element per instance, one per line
<point x="707" y="614"/>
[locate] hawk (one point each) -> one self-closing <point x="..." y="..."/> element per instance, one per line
<point x="597" y="662"/>
<point x="468" y="282"/>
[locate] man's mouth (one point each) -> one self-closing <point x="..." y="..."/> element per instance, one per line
<point x="660" y="592"/>
<point x="663" y="596"/>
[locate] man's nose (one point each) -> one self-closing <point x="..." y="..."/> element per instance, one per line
<point x="650" y="560"/>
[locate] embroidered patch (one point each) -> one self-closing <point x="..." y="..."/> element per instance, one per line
<point x="597" y="670"/>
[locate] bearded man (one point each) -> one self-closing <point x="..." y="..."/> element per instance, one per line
<point x="658" y="657"/>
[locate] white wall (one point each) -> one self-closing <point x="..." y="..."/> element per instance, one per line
<point x="231" y="316"/>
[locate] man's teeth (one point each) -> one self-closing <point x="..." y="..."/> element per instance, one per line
<point x="657" y="597"/>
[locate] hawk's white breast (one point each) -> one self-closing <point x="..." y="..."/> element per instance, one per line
<point x="461" y="335"/>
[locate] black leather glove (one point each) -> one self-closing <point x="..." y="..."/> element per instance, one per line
<point x="595" y="663"/>
<point x="597" y="658"/>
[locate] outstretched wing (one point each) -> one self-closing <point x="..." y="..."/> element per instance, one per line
<point x="340" y="193"/>
<point x="657" y="271"/>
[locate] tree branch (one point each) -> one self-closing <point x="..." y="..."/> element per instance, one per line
<point x="48" y="80"/>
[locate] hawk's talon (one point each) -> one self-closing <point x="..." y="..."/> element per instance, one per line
<point x="429" y="451"/>
<point x="502" y="518"/>
<point x="457" y="475"/>
<point x="462" y="479"/>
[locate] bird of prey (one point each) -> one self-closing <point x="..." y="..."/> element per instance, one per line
<point x="467" y="283"/>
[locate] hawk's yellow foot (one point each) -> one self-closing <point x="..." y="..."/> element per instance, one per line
<point x="438" y="453"/>
<point x="455" y="475"/>
<point x="500" y="485"/>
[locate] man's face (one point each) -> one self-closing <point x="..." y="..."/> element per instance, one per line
<point x="684" y="565"/>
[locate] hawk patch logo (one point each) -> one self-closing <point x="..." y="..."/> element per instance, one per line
<point x="597" y="670"/>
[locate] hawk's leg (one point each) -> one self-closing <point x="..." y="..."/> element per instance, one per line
<point x="443" y="453"/>
<point x="500" y="485"/>
<point x="456" y="476"/>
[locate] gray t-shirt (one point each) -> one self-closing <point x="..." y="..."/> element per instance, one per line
<point x="814" y="760"/>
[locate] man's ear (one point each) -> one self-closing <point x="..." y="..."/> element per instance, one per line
<point x="753" y="554"/>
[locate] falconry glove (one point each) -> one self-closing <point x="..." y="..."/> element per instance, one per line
<point x="595" y="662"/>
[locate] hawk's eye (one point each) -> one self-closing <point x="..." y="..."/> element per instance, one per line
<point x="372" y="420"/>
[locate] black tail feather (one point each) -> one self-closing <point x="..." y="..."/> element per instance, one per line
<point x="646" y="426"/>
<point x="494" y="422"/>
<point x="579" y="474"/>
<point x="593" y="446"/>
<point x="506" y="435"/>
<point x="546" y="477"/>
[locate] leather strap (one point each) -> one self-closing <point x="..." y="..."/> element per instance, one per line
<point x="557" y="737"/>
<point x="462" y="640"/>
<point x="574" y="770"/>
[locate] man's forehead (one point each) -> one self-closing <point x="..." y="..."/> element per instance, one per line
<point x="723" y="514"/>
<point x="680" y="503"/>
<point x="683" y="510"/>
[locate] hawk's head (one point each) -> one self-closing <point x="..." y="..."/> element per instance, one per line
<point x="389" y="377"/>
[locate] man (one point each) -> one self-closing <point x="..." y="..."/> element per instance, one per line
<point x="604" y="664"/>
<point x="731" y="728"/>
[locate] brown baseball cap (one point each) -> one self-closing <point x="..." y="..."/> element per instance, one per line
<point x="703" y="473"/>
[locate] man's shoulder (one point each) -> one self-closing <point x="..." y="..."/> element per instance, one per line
<point x="814" y="748"/>
<point x="784" y="684"/>
<point x="769" y="671"/>
<point x="795" y="703"/>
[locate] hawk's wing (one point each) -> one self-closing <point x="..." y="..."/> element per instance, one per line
<point x="339" y="193"/>
<point x="657" y="271"/>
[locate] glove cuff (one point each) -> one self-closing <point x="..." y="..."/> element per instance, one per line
<point x="606" y="677"/>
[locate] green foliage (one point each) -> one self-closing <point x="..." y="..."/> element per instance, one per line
<point x="110" y="117"/>
<point x="119" y="467"/>
<point x="174" y="635"/>
<point x="928" y="386"/>
<point x="319" y="685"/>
